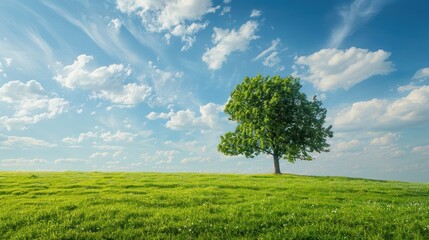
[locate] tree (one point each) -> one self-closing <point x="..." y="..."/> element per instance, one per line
<point x="274" y="117"/>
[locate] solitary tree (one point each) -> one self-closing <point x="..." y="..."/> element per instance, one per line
<point x="274" y="117"/>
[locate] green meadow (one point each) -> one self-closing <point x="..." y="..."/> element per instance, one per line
<point x="94" y="205"/>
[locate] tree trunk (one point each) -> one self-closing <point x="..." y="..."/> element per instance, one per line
<point x="276" y="164"/>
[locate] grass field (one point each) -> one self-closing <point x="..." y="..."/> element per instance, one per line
<point x="75" y="205"/>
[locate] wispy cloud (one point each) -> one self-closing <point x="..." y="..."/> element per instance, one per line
<point x="354" y="16"/>
<point x="24" y="142"/>
<point x="421" y="74"/>
<point x="271" y="56"/>
<point x="102" y="31"/>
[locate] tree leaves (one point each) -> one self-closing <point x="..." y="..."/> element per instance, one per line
<point x="274" y="117"/>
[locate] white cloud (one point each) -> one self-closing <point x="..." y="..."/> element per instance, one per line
<point x="421" y="150"/>
<point x="255" y="13"/>
<point x="210" y="114"/>
<point x="16" y="91"/>
<point x="115" y="24"/>
<point x="353" y="16"/>
<point x="21" y="162"/>
<point x="106" y="82"/>
<point x="412" y="109"/>
<point x="154" y="115"/>
<point x="99" y="155"/>
<point x="272" y="48"/>
<point x="330" y="69"/>
<point x="77" y="75"/>
<point x="7" y="61"/>
<point x="187" y="33"/>
<point x="127" y="96"/>
<point x="165" y="84"/>
<point x="407" y="88"/>
<point x="186" y="119"/>
<point x="182" y="119"/>
<point x="421" y="74"/>
<point x="118" y="136"/>
<point x="4" y="61"/>
<point x="166" y="156"/>
<point x="385" y="140"/>
<point x="270" y="55"/>
<point x="25" y="142"/>
<point x="195" y="159"/>
<point x="227" y="41"/>
<point x="225" y="10"/>
<point x="271" y="60"/>
<point x="69" y="160"/>
<point x="169" y="15"/>
<point x="160" y="157"/>
<point x="30" y="102"/>
<point x="109" y="147"/>
<point x="347" y="146"/>
<point x="81" y="138"/>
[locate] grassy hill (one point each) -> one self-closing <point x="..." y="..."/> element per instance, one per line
<point x="76" y="205"/>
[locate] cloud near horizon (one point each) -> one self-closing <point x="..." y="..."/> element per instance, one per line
<point x="412" y="109"/>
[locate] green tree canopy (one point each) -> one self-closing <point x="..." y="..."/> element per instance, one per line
<point x="274" y="117"/>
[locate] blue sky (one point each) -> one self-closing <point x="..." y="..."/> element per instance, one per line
<point x="132" y="85"/>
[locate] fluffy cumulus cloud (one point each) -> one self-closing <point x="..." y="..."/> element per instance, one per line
<point x="227" y="41"/>
<point x="106" y="82"/>
<point x="30" y="103"/>
<point x="382" y="113"/>
<point x="330" y="69"/>
<point x="209" y="117"/>
<point x="180" y="18"/>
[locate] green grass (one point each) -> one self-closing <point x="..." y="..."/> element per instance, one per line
<point x="75" y="205"/>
